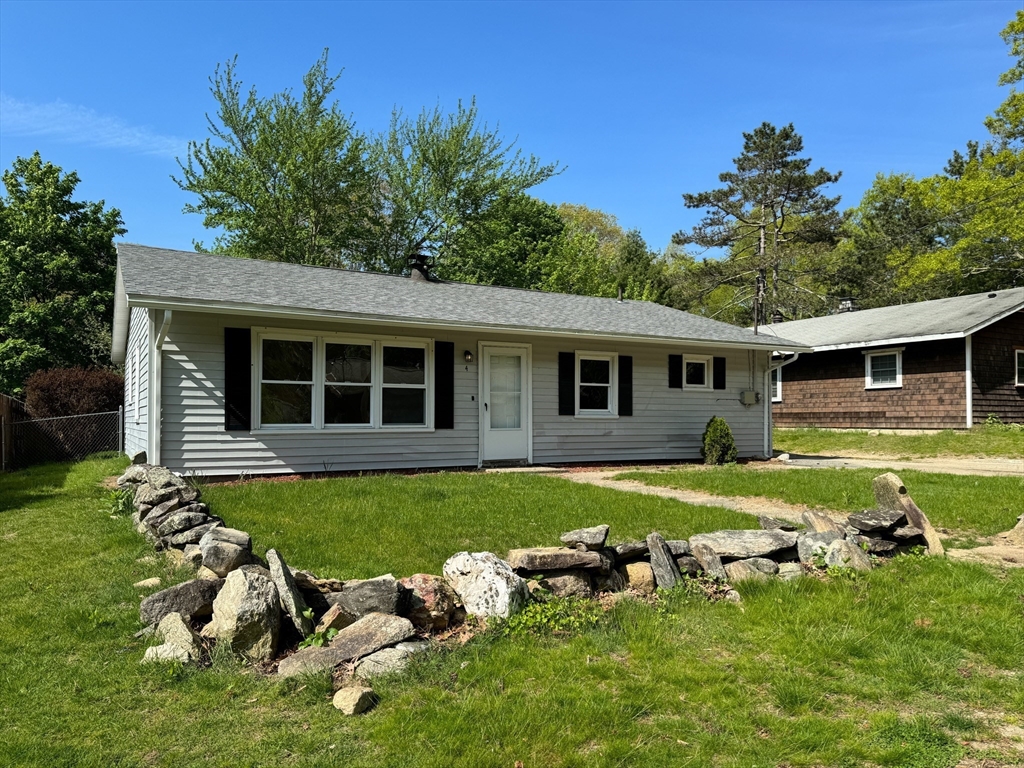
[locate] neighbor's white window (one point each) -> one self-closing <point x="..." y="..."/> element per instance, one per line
<point x="340" y="383"/>
<point x="595" y="384"/>
<point x="697" y="372"/>
<point x="1020" y="367"/>
<point x="776" y="385"/>
<point x="883" y="369"/>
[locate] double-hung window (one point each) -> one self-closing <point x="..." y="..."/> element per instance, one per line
<point x="883" y="369"/>
<point x="695" y="372"/>
<point x="595" y="384"/>
<point x="334" y="382"/>
<point x="1019" y="355"/>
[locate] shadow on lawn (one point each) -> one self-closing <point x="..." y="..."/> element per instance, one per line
<point x="25" y="486"/>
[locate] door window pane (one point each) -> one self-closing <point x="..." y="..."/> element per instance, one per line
<point x="883" y="369"/>
<point x="348" y="363"/>
<point x="505" y="402"/>
<point x="286" y="404"/>
<point x="405" y="365"/>
<point x="595" y="371"/>
<point x="696" y="373"/>
<point x="403" y="406"/>
<point x="346" y="405"/>
<point x="285" y="360"/>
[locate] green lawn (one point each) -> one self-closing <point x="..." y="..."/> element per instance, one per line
<point x="968" y="503"/>
<point x="980" y="441"/>
<point x="896" y="668"/>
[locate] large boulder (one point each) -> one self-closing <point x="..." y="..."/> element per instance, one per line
<point x="486" y="584"/>
<point x="430" y="601"/>
<point x="247" y="615"/>
<point x="843" y="553"/>
<point x="587" y="538"/>
<point x="543" y="559"/>
<point x="225" y="549"/>
<point x="890" y="493"/>
<point x="370" y="634"/>
<point x="745" y="544"/>
<point x="365" y="596"/>
<point x="666" y="572"/>
<point x="709" y="561"/>
<point x="190" y="598"/>
<point x="568" y="584"/>
<point x="292" y="602"/>
<point x="810" y="545"/>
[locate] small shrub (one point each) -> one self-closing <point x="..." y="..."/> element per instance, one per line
<point x="717" y="443"/>
<point x="561" y="616"/>
<point x="73" y="391"/>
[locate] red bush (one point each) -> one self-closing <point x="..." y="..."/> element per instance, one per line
<point x="72" y="391"/>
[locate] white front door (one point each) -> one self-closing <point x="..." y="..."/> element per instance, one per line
<point x="505" y="401"/>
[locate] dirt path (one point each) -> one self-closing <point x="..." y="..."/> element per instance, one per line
<point x="950" y="465"/>
<point x="751" y="505"/>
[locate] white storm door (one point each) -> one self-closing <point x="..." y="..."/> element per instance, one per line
<point x="506" y="403"/>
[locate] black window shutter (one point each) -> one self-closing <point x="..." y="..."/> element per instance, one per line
<point x="237" y="379"/>
<point x="566" y="383"/>
<point x="625" y="385"/>
<point x="444" y="385"/>
<point x="718" y="379"/>
<point x="675" y="371"/>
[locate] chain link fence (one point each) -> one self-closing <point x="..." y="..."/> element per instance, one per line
<point x="28" y="441"/>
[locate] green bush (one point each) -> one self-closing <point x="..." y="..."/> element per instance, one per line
<point x="717" y="443"/>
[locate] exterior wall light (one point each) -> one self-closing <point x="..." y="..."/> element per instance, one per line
<point x="468" y="355"/>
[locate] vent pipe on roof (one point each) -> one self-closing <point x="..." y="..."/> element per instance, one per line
<point x="419" y="267"/>
<point x="620" y="294"/>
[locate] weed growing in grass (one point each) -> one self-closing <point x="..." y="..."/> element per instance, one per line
<point x="569" y="615"/>
<point x="120" y="502"/>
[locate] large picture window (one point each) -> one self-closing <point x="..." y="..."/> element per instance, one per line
<point x="883" y="369"/>
<point x="330" y="382"/>
<point x="595" y="384"/>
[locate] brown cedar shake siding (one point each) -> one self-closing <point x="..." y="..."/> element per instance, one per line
<point x="995" y="372"/>
<point x="826" y="389"/>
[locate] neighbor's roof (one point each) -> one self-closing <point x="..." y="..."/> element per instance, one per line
<point x="951" y="318"/>
<point x="155" y="277"/>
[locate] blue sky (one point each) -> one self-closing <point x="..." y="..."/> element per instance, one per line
<point x="641" y="101"/>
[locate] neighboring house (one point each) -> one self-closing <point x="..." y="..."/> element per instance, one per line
<point x="242" y="366"/>
<point x="940" y="364"/>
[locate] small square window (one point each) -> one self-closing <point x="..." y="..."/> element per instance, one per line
<point x="883" y="370"/>
<point x="695" y="372"/>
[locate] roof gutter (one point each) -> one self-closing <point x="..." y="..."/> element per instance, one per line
<point x="154" y="302"/>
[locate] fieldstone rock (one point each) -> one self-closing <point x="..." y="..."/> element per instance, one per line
<point x="181" y="521"/>
<point x="161" y="477"/>
<point x="732" y="596"/>
<point x="876" y="520"/>
<point x="666" y="572"/>
<point x="193" y="536"/>
<point x="487" y="585"/>
<point x="174" y="629"/>
<point x="220" y="554"/>
<point x="611" y="582"/>
<point x="688" y="566"/>
<point x="247" y="616"/>
<point x="543" y="559"/>
<point x="364" y="596"/>
<point x="709" y="561"/>
<point x="336" y="617"/>
<point x="875" y="546"/>
<point x="310" y="660"/>
<point x="371" y="633"/>
<point x="639" y="576"/>
<point x="678" y="547"/>
<point x="775" y="524"/>
<point x="138" y="458"/>
<point x="817" y="522"/>
<point x="906" y="532"/>
<point x="174" y="557"/>
<point x="161" y="512"/>
<point x="140" y="514"/>
<point x="568" y="584"/>
<point x="307" y="582"/>
<point x="384" y="662"/>
<point x="745" y="544"/>
<point x="590" y="538"/>
<point x="191" y="598"/>
<point x="134" y="475"/>
<point x="166" y="653"/>
<point x="291" y="599"/>
<point x="205" y="574"/>
<point x="152" y="583"/>
<point x="790" y="571"/>
<point x="810" y="545"/>
<point x="430" y="601"/>
<point x="354" y="700"/>
<point x="890" y="493"/>
<point x="630" y="550"/>
<point x="145" y="494"/>
<point x="843" y="553"/>
<point x="192" y="556"/>
<point x="751" y="568"/>
<point x="413" y="646"/>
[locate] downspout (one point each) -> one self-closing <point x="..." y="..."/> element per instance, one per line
<point x="156" y="357"/>
<point x="969" y="380"/>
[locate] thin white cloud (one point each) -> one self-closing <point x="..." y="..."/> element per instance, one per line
<point x="80" y="125"/>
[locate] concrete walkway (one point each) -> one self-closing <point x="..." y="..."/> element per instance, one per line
<point x="951" y="465"/>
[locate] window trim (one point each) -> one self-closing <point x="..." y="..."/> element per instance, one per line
<point x="775" y="390"/>
<point x="320" y="340"/>
<point x="613" y="385"/>
<point x="706" y="360"/>
<point x="868" y="383"/>
<point x="135" y="383"/>
<point x="1018" y="354"/>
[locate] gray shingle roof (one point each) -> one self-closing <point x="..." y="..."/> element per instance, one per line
<point x="155" y="276"/>
<point x="951" y="318"/>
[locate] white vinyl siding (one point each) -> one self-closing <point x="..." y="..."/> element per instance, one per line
<point x="136" y="389"/>
<point x="666" y="425"/>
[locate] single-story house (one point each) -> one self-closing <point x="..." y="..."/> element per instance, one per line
<point x="239" y="366"/>
<point x="940" y="364"/>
